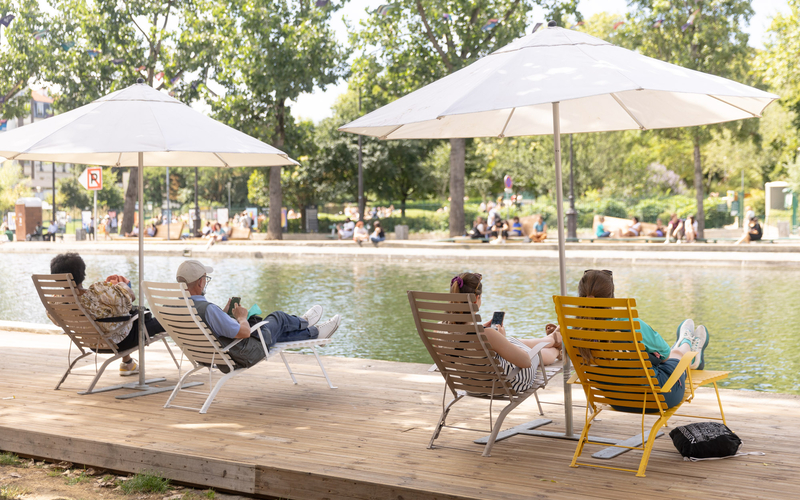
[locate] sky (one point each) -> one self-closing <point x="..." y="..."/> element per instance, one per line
<point x="317" y="105"/>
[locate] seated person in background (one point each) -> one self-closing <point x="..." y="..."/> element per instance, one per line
<point x="600" y="284"/>
<point x="478" y="229"/>
<point x="134" y="232"/>
<point x="360" y="234"/>
<point x="516" y="227"/>
<point x="216" y="234"/>
<point x="280" y="327"/>
<point x="51" y="231"/>
<point x="207" y="228"/>
<point x="5" y="233"/>
<point x="690" y="229"/>
<point x="510" y="352"/>
<point x="674" y="228"/>
<point x="111" y="298"/>
<point x="37" y="233"/>
<point x="500" y="231"/>
<point x="754" y="232"/>
<point x="660" y="230"/>
<point x="347" y="229"/>
<point x="377" y="234"/>
<point x="539" y="233"/>
<point x="634" y="230"/>
<point x="601" y="230"/>
<point x="151" y="230"/>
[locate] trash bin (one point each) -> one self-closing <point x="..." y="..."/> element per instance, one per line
<point x="312" y="222"/>
<point x="80" y="234"/>
<point x="401" y="232"/>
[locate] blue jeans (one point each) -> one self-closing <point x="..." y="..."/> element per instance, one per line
<point x="375" y="239"/>
<point x="282" y="327"/>
<point x="663" y="371"/>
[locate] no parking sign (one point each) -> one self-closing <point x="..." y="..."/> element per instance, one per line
<point x="92" y="178"/>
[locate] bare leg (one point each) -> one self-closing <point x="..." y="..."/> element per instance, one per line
<point x="744" y="239"/>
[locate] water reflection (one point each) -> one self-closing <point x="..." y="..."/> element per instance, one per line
<point x="751" y="314"/>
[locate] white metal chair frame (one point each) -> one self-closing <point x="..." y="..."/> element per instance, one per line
<point x="59" y="292"/>
<point x="165" y="296"/>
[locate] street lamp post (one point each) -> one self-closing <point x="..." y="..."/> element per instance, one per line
<point x="197" y="219"/>
<point x="229" y="199"/>
<point x="361" y="205"/>
<point x="571" y="214"/>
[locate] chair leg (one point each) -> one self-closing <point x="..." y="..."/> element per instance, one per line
<point x="536" y="395"/>
<point x="289" y="368"/>
<point x="69" y="369"/>
<point x="442" y="419"/>
<point x="180" y="384"/>
<point x="651" y="439"/>
<point x="719" y="401"/>
<point x="584" y="435"/>
<point x="322" y="367"/>
<point x="216" y="389"/>
<point x="100" y="373"/>
<point x="487" y="451"/>
<point x="177" y="365"/>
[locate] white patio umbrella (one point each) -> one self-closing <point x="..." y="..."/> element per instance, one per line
<point x="138" y="127"/>
<point x="557" y="80"/>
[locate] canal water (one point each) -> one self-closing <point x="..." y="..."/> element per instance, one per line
<point x="752" y="314"/>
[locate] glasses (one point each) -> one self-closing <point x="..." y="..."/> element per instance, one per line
<point x="605" y="271"/>
<point x="208" y="278"/>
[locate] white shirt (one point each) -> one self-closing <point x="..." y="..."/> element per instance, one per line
<point x="53" y="228"/>
<point x="348" y="228"/>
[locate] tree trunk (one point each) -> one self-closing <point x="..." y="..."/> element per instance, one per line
<point x="274" y="228"/>
<point x="131" y="196"/>
<point x="458" y="148"/>
<point x="698" y="186"/>
<point x="403" y="207"/>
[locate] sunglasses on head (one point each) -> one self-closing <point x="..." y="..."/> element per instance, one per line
<point x="605" y="271"/>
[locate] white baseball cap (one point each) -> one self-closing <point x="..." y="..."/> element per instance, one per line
<point x="192" y="270"/>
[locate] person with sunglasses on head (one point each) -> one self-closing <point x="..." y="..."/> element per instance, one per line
<point x="280" y="326"/>
<point x="600" y="284"/>
<point x="511" y="352"/>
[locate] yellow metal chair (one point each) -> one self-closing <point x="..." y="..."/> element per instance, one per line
<point x="620" y="373"/>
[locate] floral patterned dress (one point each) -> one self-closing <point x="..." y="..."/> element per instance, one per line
<point x="104" y="300"/>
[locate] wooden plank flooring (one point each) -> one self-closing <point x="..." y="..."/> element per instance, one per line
<point x="367" y="439"/>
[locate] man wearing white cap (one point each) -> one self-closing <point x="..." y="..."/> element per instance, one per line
<point x="280" y="327"/>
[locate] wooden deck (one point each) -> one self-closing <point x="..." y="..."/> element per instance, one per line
<point x="367" y="439"/>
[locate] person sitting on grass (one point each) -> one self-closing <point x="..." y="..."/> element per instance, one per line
<point x="279" y="327"/>
<point x="377" y="235"/>
<point x="633" y="230"/>
<point x="539" y="233"/>
<point x="110" y="298"/>
<point x="360" y="234"/>
<point x="600" y="284"/>
<point x="511" y="352"/>
<point x="754" y="232"/>
<point x="516" y="227"/>
<point x="601" y="232"/>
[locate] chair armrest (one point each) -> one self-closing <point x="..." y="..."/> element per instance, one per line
<point x="683" y="366"/>
<point x="257" y="326"/>
<point x="227" y="347"/>
<point x="252" y="329"/>
<point x="573" y="379"/>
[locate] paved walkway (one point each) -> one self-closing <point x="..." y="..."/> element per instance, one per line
<point x="777" y="255"/>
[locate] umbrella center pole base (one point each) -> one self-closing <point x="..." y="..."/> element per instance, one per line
<point x="147" y="391"/>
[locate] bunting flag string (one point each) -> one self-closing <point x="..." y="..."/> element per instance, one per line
<point x="65" y="46"/>
<point x="690" y="21"/>
<point x="38" y="35"/>
<point x="659" y="22"/>
<point x="579" y="23"/>
<point x="491" y="23"/>
<point x="618" y="24"/>
<point x="93" y="52"/>
<point x="160" y="75"/>
<point x="141" y="68"/>
<point x="6" y="20"/>
<point x="322" y="3"/>
<point x="383" y="10"/>
<point x="447" y="17"/>
<point x="175" y="79"/>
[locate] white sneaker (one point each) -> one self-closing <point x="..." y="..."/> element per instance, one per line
<point x="700" y="339"/>
<point x="326" y="329"/>
<point x="313" y="315"/>
<point x="685" y="331"/>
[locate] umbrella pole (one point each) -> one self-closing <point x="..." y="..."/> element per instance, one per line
<point x="140" y="180"/>
<point x="562" y="260"/>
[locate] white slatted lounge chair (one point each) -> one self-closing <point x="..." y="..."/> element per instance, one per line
<point x="450" y="327"/>
<point x="173" y="307"/>
<point x="59" y="296"/>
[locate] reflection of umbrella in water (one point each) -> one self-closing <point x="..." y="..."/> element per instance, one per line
<point x="556" y="80"/>
<point x="138" y="127"/>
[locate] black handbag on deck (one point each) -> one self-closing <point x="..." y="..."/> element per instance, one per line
<point x="705" y="440"/>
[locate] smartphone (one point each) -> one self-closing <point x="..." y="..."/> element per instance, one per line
<point x="234" y="302"/>
<point x="497" y="318"/>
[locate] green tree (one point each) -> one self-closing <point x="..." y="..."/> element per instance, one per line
<point x="13" y="185"/>
<point x="106" y="45"/>
<point x="420" y="41"/>
<point x="274" y="51"/>
<point x="714" y="42"/>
